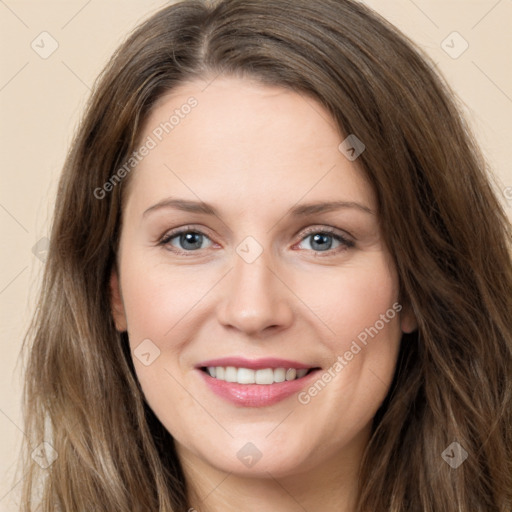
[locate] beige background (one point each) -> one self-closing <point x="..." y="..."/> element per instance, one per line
<point x="41" y="100"/>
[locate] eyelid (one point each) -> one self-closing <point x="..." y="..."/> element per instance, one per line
<point x="327" y="229"/>
<point x="183" y="229"/>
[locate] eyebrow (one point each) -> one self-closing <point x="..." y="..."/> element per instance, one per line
<point x="301" y="210"/>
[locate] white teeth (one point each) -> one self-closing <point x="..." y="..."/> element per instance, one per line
<point x="248" y="376"/>
<point x="230" y="375"/>
<point x="279" y="375"/>
<point x="265" y="376"/>
<point x="291" y="373"/>
<point x="245" y="376"/>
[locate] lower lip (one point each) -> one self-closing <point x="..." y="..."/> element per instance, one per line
<point x="255" y="395"/>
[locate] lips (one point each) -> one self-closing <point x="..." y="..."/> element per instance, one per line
<point x="255" y="383"/>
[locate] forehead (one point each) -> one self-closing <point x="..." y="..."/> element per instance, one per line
<point x="244" y="141"/>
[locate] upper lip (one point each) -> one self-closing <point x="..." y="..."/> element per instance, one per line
<point x="254" y="364"/>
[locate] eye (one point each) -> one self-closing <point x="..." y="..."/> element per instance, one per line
<point x="185" y="240"/>
<point x="322" y="240"/>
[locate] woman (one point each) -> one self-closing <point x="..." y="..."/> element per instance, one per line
<point x="278" y="278"/>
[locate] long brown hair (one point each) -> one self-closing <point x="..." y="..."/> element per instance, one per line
<point x="445" y="228"/>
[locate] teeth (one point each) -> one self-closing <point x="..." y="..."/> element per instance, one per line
<point x="230" y="375"/>
<point x="291" y="373"/>
<point x="265" y="376"/>
<point x="248" y="376"/>
<point x="279" y="375"/>
<point x="245" y="376"/>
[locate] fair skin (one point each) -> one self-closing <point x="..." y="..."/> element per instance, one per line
<point x="253" y="152"/>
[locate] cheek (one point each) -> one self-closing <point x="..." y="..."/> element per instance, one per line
<point x="369" y="297"/>
<point x="350" y="302"/>
<point x="160" y="304"/>
<point x="359" y="306"/>
<point x="160" y="299"/>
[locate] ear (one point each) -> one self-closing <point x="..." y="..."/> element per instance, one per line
<point x="116" y="302"/>
<point x="408" y="322"/>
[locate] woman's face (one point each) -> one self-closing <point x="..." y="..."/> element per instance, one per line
<point x="251" y="245"/>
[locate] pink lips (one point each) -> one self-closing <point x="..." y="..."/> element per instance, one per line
<point x="254" y="395"/>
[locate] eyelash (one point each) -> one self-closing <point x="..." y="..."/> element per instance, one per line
<point x="345" y="243"/>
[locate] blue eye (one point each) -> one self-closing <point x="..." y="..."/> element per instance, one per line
<point x="188" y="240"/>
<point x="322" y="241"/>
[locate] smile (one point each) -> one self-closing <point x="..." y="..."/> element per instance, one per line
<point x="264" y="376"/>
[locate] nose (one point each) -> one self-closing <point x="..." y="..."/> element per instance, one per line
<point x="255" y="299"/>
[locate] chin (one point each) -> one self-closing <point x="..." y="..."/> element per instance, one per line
<point x="259" y="457"/>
